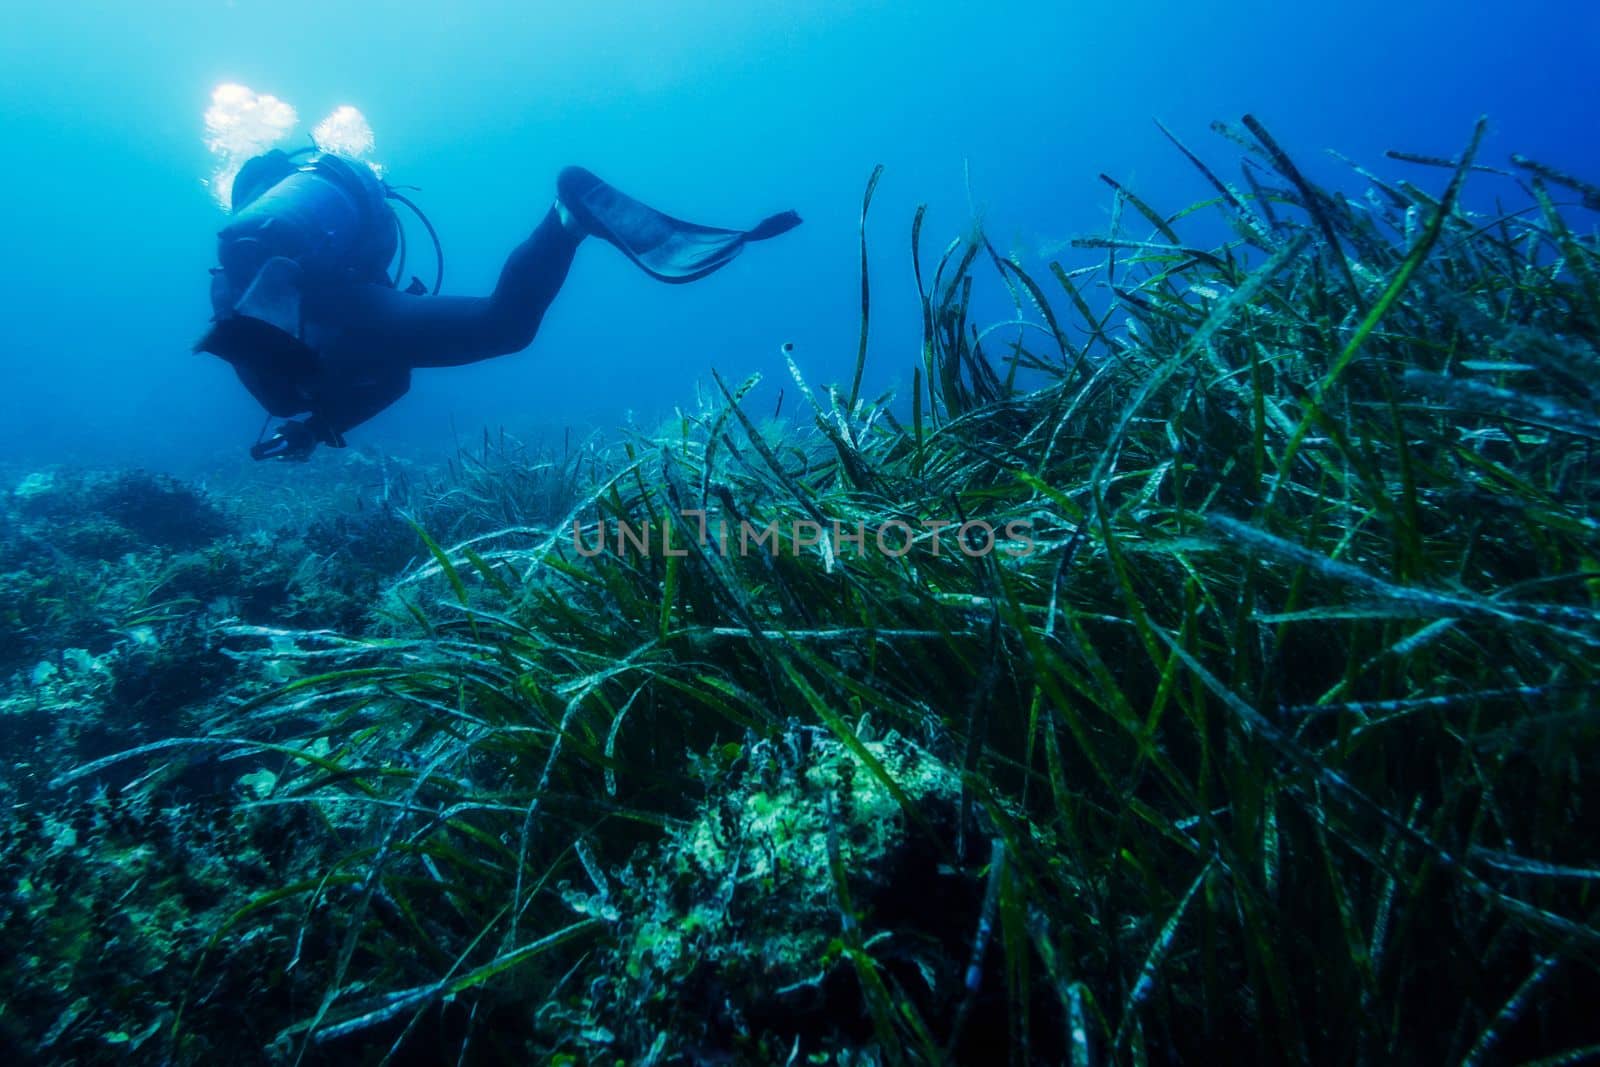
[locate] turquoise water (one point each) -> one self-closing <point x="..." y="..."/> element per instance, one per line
<point x="721" y="112"/>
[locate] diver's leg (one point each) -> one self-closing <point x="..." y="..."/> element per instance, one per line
<point x="374" y="323"/>
<point x="371" y="323"/>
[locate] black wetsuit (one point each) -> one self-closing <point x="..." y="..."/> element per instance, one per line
<point x="371" y="337"/>
<point x="306" y="313"/>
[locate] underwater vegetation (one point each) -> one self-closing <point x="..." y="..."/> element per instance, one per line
<point x="1273" y="741"/>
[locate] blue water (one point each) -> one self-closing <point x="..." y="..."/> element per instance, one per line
<point x="718" y="111"/>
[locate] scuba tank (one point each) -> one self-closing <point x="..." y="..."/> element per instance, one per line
<point x="330" y="216"/>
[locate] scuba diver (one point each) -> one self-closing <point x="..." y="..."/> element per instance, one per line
<point x="314" y="325"/>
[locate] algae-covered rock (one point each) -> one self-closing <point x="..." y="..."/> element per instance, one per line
<point x="107" y="902"/>
<point x="149" y="510"/>
<point x="39" y="483"/>
<point x="730" y="940"/>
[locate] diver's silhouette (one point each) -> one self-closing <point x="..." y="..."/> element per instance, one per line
<point x="305" y="310"/>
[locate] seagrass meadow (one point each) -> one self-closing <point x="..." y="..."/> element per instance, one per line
<point x="1276" y="740"/>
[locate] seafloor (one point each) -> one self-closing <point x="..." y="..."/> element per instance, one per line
<point x="1244" y="711"/>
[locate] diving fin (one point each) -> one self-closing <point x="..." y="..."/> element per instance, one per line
<point x="274" y="295"/>
<point x="259" y="335"/>
<point x="664" y="247"/>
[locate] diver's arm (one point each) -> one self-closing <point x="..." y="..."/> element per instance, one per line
<point x="338" y="405"/>
<point x="344" y="401"/>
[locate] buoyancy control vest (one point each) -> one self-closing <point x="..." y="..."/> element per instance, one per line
<point x="320" y="224"/>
